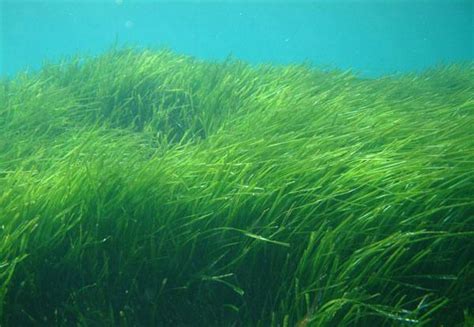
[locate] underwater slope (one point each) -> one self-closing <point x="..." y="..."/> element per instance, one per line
<point x="145" y="188"/>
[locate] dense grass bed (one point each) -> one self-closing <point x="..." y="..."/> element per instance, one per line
<point x="144" y="188"/>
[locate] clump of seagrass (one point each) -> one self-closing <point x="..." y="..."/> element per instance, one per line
<point x="147" y="188"/>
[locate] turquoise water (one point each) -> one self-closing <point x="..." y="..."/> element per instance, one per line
<point x="369" y="37"/>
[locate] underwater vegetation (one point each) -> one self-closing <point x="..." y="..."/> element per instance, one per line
<point x="145" y="188"/>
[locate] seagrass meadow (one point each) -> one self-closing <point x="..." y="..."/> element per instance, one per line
<point x="146" y="188"/>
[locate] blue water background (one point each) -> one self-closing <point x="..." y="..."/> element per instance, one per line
<point x="369" y="37"/>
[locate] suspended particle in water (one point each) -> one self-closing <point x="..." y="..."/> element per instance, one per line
<point x="129" y="24"/>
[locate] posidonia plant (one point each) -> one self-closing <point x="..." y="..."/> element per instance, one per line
<point x="145" y="188"/>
